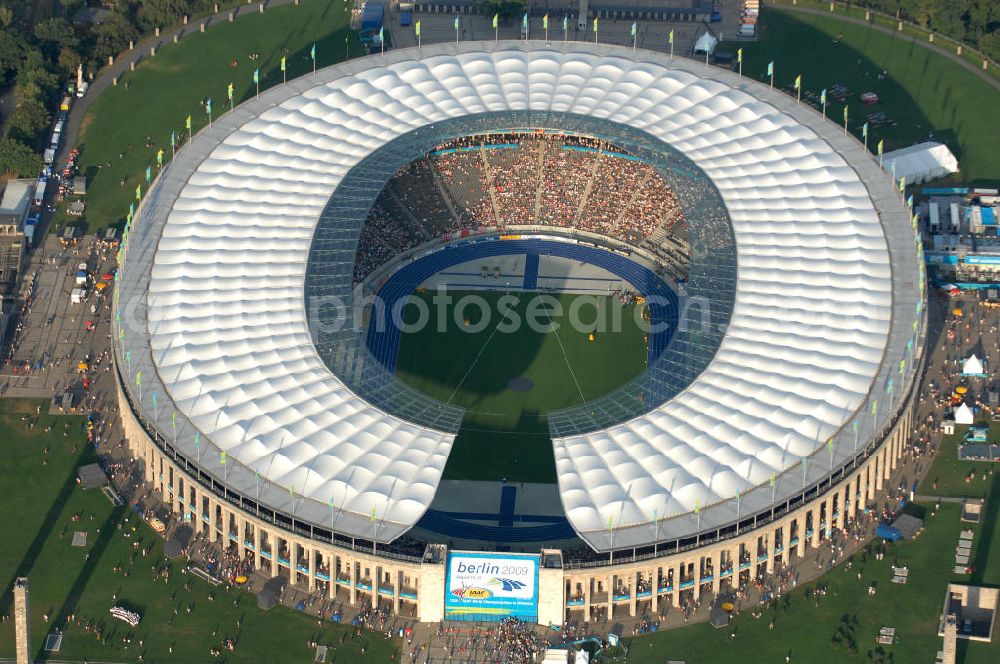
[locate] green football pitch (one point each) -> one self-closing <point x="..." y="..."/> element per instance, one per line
<point x="508" y="377"/>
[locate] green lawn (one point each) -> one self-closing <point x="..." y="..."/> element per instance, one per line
<point x="806" y="629"/>
<point x="505" y="433"/>
<point x="40" y="502"/>
<point x="948" y="475"/>
<point x="149" y="103"/>
<point x="924" y="92"/>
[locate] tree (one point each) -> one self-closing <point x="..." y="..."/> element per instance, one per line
<point x="160" y="13"/>
<point x="990" y="44"/>
<point x="57" y="30"/>
<point x="28" y="121"/>
<point x="505" y="8"/>
<point x="69" y="60"/>
<point x="12" y="53"/>
<point x="114" y="35"/>
<point x="18" y="160"/>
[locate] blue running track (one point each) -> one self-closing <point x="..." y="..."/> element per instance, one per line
<point x="384" y="335"/>
<point x="531" y="271"/>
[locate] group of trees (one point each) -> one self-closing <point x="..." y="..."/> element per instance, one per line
<point x="40" y="53"/>
<point x="975" y="22"/>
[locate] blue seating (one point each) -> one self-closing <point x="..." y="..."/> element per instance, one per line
<point x="444" y="524"/>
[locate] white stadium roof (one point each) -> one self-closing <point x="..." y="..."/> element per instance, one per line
<point x="222" y="243"/>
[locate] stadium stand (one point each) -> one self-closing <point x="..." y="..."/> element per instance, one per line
<point x="499" y="181"/>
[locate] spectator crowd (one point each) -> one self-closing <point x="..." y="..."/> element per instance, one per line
<point x="494" y="182"/>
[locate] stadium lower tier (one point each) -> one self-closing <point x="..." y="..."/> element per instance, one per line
<point x="420" y="580"/>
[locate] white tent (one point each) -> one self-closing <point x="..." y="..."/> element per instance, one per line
<point x="556" y="656"/>
<point x="921" y="163"/>
<point x="963" y="415"/>
<point x="705" y="44"/>
<point x="973" y="367"/>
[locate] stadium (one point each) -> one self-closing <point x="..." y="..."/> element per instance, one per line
<point x="278" y="400"/>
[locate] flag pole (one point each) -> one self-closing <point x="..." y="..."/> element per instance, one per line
<point x="739" y="60"/>
<point x="456" y="31"/>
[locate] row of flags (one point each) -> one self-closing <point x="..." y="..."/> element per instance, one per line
<point x="545" y="25"/>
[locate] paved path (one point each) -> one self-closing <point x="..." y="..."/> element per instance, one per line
<point x="124" y="60"/>
<point x="965" y="64"/>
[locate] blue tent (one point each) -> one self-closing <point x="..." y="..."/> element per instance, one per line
<point x="889" y="533"/>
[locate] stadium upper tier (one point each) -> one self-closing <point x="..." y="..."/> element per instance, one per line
<point x="812" y="363"/>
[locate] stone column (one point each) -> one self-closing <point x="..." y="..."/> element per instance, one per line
<point x="376" y="583"/>
<point x="396" y="589"/>
<point x="852" y="492"/>
<point x="353" y="590"/>
<point x="293" y="562"/>
<point x="331" y="565"/>
<point x="212" y="521"/>
<point x="769" y="564"/>
<point x="654" y="581"/>
<point x="611" y="595"/>
<point x="311" y="553"/>
<point x="256" y="547"/>
<point x="633" y="592"/>
<point x="676" y="595"/>
<point x="716" y="570"/>
<point x="588" y="583"/>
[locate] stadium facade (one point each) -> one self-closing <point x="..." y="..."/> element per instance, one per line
<point x="784" y="414"/>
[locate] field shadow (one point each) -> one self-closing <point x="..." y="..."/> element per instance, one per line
<point x="45" y="529"/>
<point x="521" y="455"/>
<point x="824" y="59"/>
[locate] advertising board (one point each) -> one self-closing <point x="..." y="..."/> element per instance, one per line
<point x="491" y="586"/>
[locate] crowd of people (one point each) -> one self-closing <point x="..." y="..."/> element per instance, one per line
<point x="497" y="181"/>
<point x="509" y="641"/>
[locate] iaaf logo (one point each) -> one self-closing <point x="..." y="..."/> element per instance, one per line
<point x="474" y="592"/>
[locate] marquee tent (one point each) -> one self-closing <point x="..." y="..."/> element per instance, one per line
<point x="705" y="44"/>
<point x="963" y="415"/>
<point x="921" y="163"/>
<point x="973" y="367"/>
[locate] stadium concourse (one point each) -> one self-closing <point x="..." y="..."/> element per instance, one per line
<point x="787" y="393"/>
